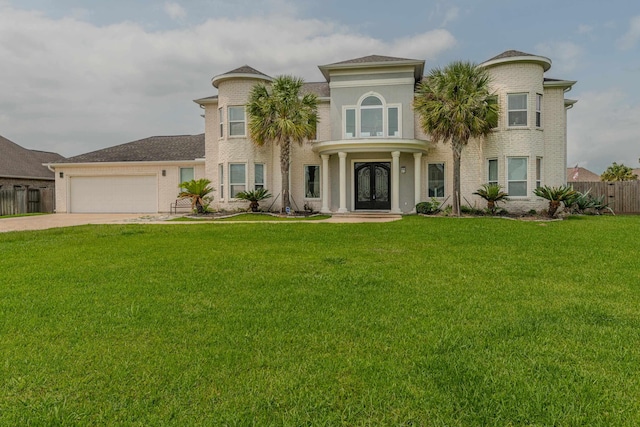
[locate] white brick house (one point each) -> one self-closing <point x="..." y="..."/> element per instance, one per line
<point x="369" y="153"/>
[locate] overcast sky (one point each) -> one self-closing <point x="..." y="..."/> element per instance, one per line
<point x="80" y="75"/>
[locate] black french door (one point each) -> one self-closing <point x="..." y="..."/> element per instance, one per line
<point x="372" y="185"/>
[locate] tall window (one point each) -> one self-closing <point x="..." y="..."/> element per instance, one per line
<point x="538" y="110"/>
<point x="392" y="122"/>
<point x="493" y="171"/>
<point x="538" y="172"/>
<point x="221" y="121"/>
<point x="350" y="123"/>
<point x="372" y="119"/>
<point x="435" y="176"/>
<point x="221" y="180"/>
<point x="312" y="181"/>
<point x="258" y="181"/>
<point x="186" y="174"/>
<point x="517" y="176"/>
<point x="236" y="121"/>
<point x="237" y="178"/>
<point x="517" y="106"/>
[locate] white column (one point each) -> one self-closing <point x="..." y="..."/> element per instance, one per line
<point x="325" y="184"/>
<point x="343" y="182"/>
<point x="417" y="174"/>
<point x="395" y="182"/>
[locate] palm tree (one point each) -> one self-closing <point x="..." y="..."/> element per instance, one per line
<point x="254" y="197"/>
<point x="278" y="114"/>
<point x="618" y="172"/>
<point x="555" y="195"/>
<point x="455" y="105"/>
<point x="196" y="190"/>
<point x="493" y="194"/>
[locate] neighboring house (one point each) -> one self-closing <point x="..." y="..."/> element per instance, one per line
<point x="138" y="177"/>
<point x="20" y="167"/>
<point x="370" y="153"/>
<point x="581" y="175"/>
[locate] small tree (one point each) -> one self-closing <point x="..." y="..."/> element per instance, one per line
<point x="196" y="190"/>
<point x="281" y="114"/>
<point x="254" y="197"/>
<point x="555" y="196"/>
<point x="493" y="194"/>
<point x="618" y="172"/>
<point x="455" y="104"/>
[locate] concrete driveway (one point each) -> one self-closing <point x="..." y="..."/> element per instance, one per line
<point x="43" y="222"/>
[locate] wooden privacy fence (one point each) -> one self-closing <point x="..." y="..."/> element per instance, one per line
<point x="16" y="201"/>
<point x="623" y="197"/>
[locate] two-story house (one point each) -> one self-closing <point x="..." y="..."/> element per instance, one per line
<point x="369" y="154"/>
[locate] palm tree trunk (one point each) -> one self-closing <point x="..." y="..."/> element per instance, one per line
<point x="285" y="159"/>
<point x="456" y="147"/>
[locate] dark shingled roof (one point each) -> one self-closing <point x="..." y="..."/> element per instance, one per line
<point x="321" y="89"/>
<point x="152" y="149"/>
<point x="510" y="54"/>
<point x="372" y="58"/>
<point x="16" y="161"/>
<point x="245" y="69"/>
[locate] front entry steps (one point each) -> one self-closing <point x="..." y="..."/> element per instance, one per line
<point x="368" y="214"/>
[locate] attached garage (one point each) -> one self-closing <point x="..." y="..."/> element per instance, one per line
<point x="114" y="194"/>
<point x="142" y="176"/>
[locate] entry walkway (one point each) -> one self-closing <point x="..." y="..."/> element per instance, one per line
<point x="43" y="222"/>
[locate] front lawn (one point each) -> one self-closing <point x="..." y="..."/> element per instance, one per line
<point x="424" y="321"/>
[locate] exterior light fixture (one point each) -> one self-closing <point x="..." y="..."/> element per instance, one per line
<point x="403" y="169"/>
<point x="61" y="174"/>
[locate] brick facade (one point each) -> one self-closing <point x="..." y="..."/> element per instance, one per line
<point x="515" y="74"/>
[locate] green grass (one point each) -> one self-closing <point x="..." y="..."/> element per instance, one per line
<point x="424" y="321"/>
<point x="253" y="218"/>
<point x="24" y="214"/>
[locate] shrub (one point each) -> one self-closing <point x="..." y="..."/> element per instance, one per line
<point x="493" y="194"/>
<point x="555" y="196"/>
<point x="428" y="208"/>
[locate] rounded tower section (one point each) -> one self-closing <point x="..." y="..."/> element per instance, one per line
<point x="514" y="152"/>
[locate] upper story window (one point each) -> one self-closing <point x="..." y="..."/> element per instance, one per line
<point x="372" y="118"/>
<point x="517" y="106"/>
<point x="538" y="110"/>
<point x="236" y="121"/>
<point x="221" y="121"/>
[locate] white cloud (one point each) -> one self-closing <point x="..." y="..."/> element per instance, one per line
<point x="175" y="11"/>
<point x="566" y="55"/>
<point x="632" y="36"/>
<point x="584" y="29"/>
<point x="603" y="128"/>
<point x="450" y="15"/>
<point x="73" y="87"/>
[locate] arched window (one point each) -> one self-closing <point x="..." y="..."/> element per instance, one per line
<point x="372" y="118"/>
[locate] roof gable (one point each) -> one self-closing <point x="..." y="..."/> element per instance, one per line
<point x="373" y="61"/>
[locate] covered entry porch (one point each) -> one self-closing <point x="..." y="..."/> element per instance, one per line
<point x="371" y="175"/>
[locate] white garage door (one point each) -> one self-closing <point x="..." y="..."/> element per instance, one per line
<point x="114" y="194"/>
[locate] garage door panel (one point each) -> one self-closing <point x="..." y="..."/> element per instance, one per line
<point x="114" y="194"/>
